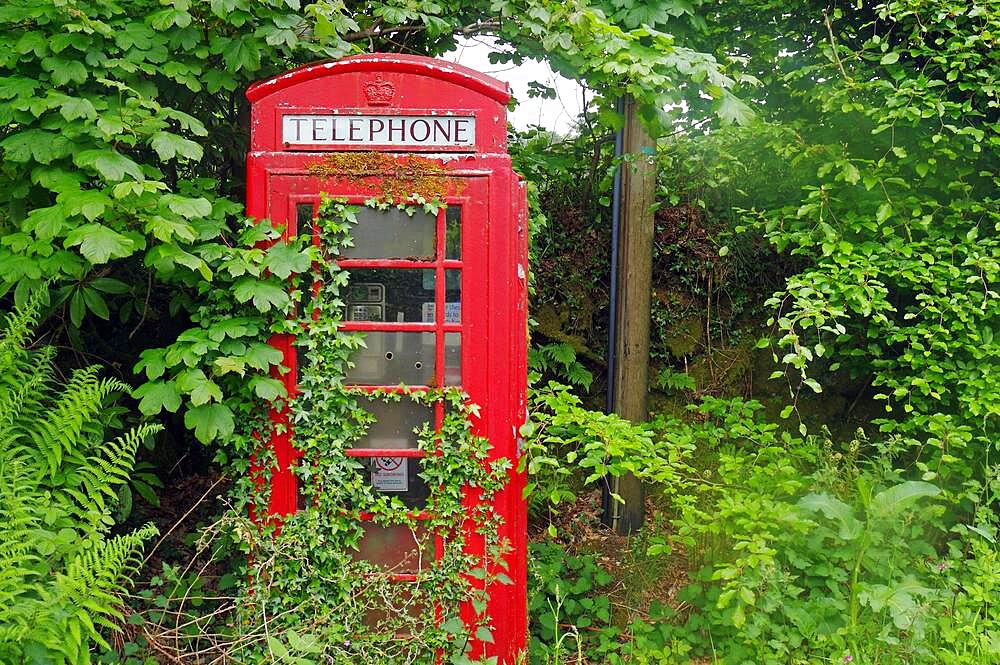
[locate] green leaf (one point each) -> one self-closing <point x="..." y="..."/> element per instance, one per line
<point x="46" y="223"/>
<point x="210" y="421"/>
<point x="835" y="509"/>
<point x="110" y="285"/>
<point x="453" y="626"/>
<point x="884" y="212"/>
<point x="283" y="260"/>
<point x="75" y="107"/>
<point x="889" y="503"/>
<point x="17" y="86"/>
<point x="201" y="388"/>
<point x="262" y="356"/>
<point x="42" y="146"/>
<point x="112" y="166"/>
<point x="169" y="146"/>
<point x="99" y="244"/>
<point x="154" y="362"/>
<point x="813" y="384"/>
<point x="187" y="207"/>
<point x="732" y="111"/>
<point x="889" y="58"/>
<point x="267" y="389"/>
<point x="95" y="302"/>
<point x="157" y="395"/>
<point x="850" y="173"/>
<point x="265" y="296"/>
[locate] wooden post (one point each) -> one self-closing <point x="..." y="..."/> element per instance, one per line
<point x="635" y="281"/>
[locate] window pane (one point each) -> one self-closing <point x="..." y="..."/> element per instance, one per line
<point x="396" y="548"/>
<point x="389" y="295"/>
<point x="392" y="234"/>
<point x="395" y="422"/>
<point x="391" y="358"/>
<point x="452" y="297"/>
<point x="452" y="359"/>
<point x="453" y="233"/>
<point x="304" y="218"/>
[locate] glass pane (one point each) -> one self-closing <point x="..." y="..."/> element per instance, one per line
<point x="452" y="359"/>
<point x="391" y="358"/>
<point x="452" y="297"/>
<point x="395" y="422"/>
<point x="389" y="295"/>
<point x="392" y="234"/>
<point x="304" y="218"/>
<point x="396" y="548"/>
<point x="399" y="477"/>
<point x="453" y="233"/>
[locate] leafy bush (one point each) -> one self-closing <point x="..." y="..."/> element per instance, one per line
<point x="62" y="574"/>
<point x="808" y="559"/>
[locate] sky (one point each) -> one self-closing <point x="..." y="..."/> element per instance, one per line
<point x="558" y="115"/>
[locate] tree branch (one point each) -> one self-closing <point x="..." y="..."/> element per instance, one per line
<point x="379" y="31"/>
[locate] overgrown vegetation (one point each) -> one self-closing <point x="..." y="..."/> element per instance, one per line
<point x="821" y="452"/>
<point x="62" y="573"/>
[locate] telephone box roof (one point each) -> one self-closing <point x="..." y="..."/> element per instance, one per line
<point x="386" y="62"/>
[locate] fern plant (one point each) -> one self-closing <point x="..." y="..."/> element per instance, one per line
<point x="62" y="574"/>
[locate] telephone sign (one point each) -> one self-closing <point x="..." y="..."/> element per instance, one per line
<point x="441" y="299"/>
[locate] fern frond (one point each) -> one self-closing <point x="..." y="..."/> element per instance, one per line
<point x="22" y="397"/>
<point x="96" y="477"/>
<point x="81" y="401"/>
<point x="18" y="326"/>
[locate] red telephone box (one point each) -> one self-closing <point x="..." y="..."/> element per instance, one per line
<point x="469" y="326"/>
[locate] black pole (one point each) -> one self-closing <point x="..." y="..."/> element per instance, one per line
<point x="607" y="503"/>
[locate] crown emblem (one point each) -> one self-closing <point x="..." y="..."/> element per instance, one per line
<point x="379" y="91"/>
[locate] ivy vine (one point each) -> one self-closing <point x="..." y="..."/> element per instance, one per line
<point x="308" y="576"/>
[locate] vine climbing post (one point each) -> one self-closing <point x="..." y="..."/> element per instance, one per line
<point x="630" y="374"/>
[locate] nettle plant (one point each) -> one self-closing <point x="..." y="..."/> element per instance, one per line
<point x="310" y="597"/>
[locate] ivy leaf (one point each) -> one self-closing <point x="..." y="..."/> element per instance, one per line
<point x="265" y="296"/>
<point x="99" y="244"/>
<point x="283" y="260"/>
<point x="168" y="146"/>
<point x="157" y="395"/>
<point x="210" y="421"/>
